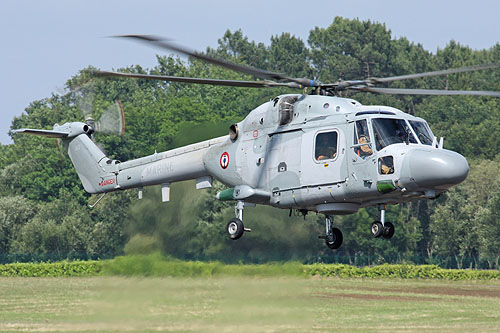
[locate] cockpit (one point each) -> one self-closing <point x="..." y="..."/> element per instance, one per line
<point x="389" y="131"/>
<point x="386" y="131"/>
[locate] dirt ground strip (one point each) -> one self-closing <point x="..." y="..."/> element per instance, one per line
<point x="467" y="291"/>
<point x="372" y="297"/>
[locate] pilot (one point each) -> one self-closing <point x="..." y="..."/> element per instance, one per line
<point x="364" y="150"/>
<point x="325" y="150"/>
<point x="384" y="169"/>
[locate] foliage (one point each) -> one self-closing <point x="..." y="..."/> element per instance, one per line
<point x="400" y="271"/>
<point x="155" y="264"/>
<point x="56" y="269"/>
<point x="467" y="213"/>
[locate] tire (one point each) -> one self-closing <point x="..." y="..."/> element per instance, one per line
<point x="337" y="239"/>
<point x="388" y="230"/>
<point x="377" y="229"/>
<point x="235" y="228"/>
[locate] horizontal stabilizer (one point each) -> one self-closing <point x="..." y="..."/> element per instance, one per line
<point x="46" y="133"/>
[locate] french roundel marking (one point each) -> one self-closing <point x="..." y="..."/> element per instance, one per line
<point x="224" y="160"/>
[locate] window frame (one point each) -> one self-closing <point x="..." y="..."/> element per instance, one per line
<point x="333" y="130"/>
<point x="426" y="125"/>
<point x="375" y="141"/>
<point x="358" y="145"/>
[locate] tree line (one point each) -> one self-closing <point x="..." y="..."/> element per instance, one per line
<point x="43" y="207"/>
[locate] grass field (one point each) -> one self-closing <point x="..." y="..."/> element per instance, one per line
<point x="233" y="304"/>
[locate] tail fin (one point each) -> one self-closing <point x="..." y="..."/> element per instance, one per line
<point x="95" y="170"/>
<point x="87" y="159"/>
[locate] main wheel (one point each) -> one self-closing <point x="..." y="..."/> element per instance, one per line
<point x="235" y="228"/>
<point x="388" y="230"/>
<point x="337" y="239"/>
<point x="377" y="229"/>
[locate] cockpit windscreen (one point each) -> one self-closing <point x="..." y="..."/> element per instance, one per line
<point x="389" y="131"/>
<point x="422" y="131"/>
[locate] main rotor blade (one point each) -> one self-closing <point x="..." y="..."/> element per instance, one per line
<point x="398" y="91"/>
<point x="232" y="83"/>
<point x="435" y="73"/>
<point x="257" y="72"/>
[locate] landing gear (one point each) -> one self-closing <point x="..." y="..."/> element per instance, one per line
<point x="382" y="228"/>
<point x="333" y="237"/>
<point x="235" y="227"/>
<point x="388" y="230"/>
<point x="377" y="229"/>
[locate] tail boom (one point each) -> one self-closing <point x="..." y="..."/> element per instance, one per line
<point x="167" y="167"/>
<point x="99" y="174"/>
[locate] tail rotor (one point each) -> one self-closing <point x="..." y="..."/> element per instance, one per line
<point x="109" y="121"/>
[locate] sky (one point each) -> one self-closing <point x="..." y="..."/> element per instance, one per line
<point x="44" y="43"/>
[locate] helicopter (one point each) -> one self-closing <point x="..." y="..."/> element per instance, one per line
<point x="313" y="152"/>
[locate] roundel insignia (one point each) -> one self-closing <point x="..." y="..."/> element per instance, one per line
<point x="326" y="105"/>
<point x="224" y="160"/>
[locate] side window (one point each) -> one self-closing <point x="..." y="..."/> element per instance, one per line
<point x="362" y="139"/>
<point x="326" y="146"/>
<point x="386" y="165"/>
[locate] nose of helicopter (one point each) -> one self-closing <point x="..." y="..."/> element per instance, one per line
<point x="437" y="169"/>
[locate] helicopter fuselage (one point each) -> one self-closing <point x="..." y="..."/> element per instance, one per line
<point x="313" y="153"/>
<point x="280" y="160"/>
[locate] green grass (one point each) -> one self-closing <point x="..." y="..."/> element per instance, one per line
<point x="288" y="304"/>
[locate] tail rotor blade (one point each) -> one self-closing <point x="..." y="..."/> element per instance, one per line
<point x="84" y="99"/>
<point x="112" y="121"/>
<point x="60" y="148"/>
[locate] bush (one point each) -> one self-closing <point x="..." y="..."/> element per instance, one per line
<point x="56" y="269"/>
<point x="159" y="266"/>
<point x="399" y="271"/>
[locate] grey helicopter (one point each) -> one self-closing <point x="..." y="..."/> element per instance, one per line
<point x="311" y="152"/>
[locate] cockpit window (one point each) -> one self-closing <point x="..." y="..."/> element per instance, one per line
<point x="422" y="131"/>
<point x="326" y="146"/>
<point x="361" y="136"/>
<point x="389" y="131"/>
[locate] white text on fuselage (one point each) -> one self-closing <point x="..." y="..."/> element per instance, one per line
<point x="159" y="169"/>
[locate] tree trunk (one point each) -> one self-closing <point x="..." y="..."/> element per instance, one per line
<point x="459" y="261"/>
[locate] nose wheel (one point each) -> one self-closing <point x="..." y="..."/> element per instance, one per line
<point x="235" y="227"/>
<point x="333" y="237"/>
<point x="388" y="230"/>
<point x="377" y="229"/>
<point x="382" y="228"/>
